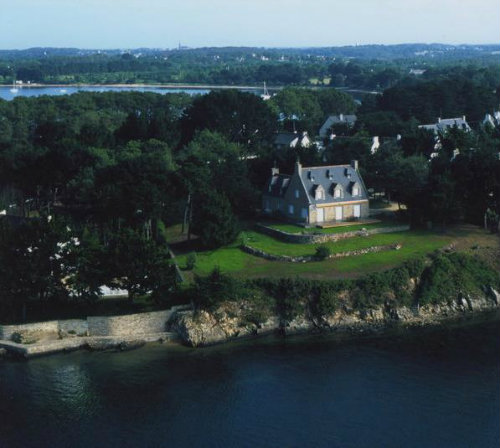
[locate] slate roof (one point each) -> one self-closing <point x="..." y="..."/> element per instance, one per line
<point x="494" y="119"/>
<point x="329" y="177"/>
<point x="444" y="124"/>
<point x="336" y="119"/>
<point x="285" y="138"/>
<point x="278" y="185"/>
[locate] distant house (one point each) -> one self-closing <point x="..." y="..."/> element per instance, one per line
<point x="313" y="195"/>
<point x="332" y="120"/>
<point x="445" y="124"/>
<point x="417" y="71"/>
<point x="291" y="140"/>
<point x="493" y="120"/>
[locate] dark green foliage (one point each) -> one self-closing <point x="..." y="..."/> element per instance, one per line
<point x="451" y="275"/>
<point x="210" y="291"/>
<point x="191" y="261"/>
<point x="322" y="252"/>
<point x="213" y="220"/>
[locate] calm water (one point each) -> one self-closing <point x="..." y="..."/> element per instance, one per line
<point x="6" y="94"/>
<point x="439" y="389"/>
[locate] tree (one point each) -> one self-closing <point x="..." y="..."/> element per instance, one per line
<point x="33" y="256"/>
<point x="139" y="265"/>
<point x="239" y="116"/>
<point x="213" y="220"/>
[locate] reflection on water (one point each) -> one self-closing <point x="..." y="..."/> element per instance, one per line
<point x="430" y="389"/>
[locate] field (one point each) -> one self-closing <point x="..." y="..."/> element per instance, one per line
<point x="232" y="260"/>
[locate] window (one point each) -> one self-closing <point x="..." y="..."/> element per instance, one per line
<point x="291" y="210"/>
<point x="296" y="193"/>
<point x="303" y="213"/>
<point x="319" y="193"/>
<point x="355" y="191"/>
<point x="267" y="206"/>
<point x="337" y="193"/>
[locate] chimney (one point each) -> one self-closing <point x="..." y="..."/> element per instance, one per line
<point x="355" y="164"/>
<point x="275" y="171"/>
<point x="341" y="117"/>
<point x="439" y="120"/>
<point x="463" y="118"/>
<point x="298" y="167"/>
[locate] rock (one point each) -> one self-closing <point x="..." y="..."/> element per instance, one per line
<point x="131" y="345"/>
<point x="494" y="295"/>
<point x="103" y="344"/>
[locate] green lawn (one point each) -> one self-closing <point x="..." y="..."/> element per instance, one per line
<point x="292" y="228"/>
<point x="232" y="260"/>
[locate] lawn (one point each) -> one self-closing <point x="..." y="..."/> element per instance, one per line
<point x="231" y="259"/>
<point x="292" y="228"/>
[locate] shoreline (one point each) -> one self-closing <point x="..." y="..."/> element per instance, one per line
<point x="367" y="330"/>
<point x="167" y="86"/>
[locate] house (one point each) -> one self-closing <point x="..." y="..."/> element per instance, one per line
<point x="313" y="195"/>
<point x="445" y="124"/>
<point x="492" y="120"/>
<point x="332" y="120"/>
<point x="291" y="140"/>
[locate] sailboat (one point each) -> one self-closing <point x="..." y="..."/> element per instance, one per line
<point x="14" y="89"/>
<point x="265" y="96"/>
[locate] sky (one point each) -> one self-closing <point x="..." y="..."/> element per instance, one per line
<point x="263" y="23"/>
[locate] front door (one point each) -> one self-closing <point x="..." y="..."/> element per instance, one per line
<point x="320" y="215"/>
<point x="338" y="213"/>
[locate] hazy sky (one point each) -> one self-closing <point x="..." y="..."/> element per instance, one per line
<point x="165" y="23"/>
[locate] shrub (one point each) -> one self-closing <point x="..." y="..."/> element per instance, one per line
<point x="322" y="252"/>
<point x="209" y="291"/>
<point x="455" y="273"/>
<point x="191" y="261"/>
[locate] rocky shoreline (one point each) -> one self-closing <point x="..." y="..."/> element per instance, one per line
<point x="227" y="323"/>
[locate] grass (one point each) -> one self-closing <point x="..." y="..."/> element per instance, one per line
<point x="292" y="228"/>
<point x="232" y="260"/>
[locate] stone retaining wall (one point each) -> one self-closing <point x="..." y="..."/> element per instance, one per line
<point x="317" y="238"/>
<point x="139" y="324"/>
<point x="76" y="326"/>
<point x="128" y="325"/>
<point x="308" y="258"/>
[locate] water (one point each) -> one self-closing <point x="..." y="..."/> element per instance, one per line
<point x="438" y="389"/>
<point x="6" y="94"/>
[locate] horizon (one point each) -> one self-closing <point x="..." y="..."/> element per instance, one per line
<point x="186" y="47"/>
<point x="99" y="24"/>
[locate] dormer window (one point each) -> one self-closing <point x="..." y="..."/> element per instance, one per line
<point x="355" y="189"/>
<point x="319" y="193"/>
<point x="337" y="191"/>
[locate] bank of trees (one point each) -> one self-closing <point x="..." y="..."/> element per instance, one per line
<point x="104" y="174"/>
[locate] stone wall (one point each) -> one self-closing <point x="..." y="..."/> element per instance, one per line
<point x="76" y="326"/>
<point x="317" y="238"/>
<point x="131" y="324"/>
<point x="308" y="258"/>
<point x="127" y="325"/>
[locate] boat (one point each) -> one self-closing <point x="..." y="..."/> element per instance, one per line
<point x="265" y="96"/>
<point x="14" y="89"/>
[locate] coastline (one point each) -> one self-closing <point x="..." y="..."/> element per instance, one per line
<point x="396" y="322"/>
<point x="167" y="86"/>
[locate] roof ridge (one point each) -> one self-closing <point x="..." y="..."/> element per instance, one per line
<point x="324" y="166"/>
